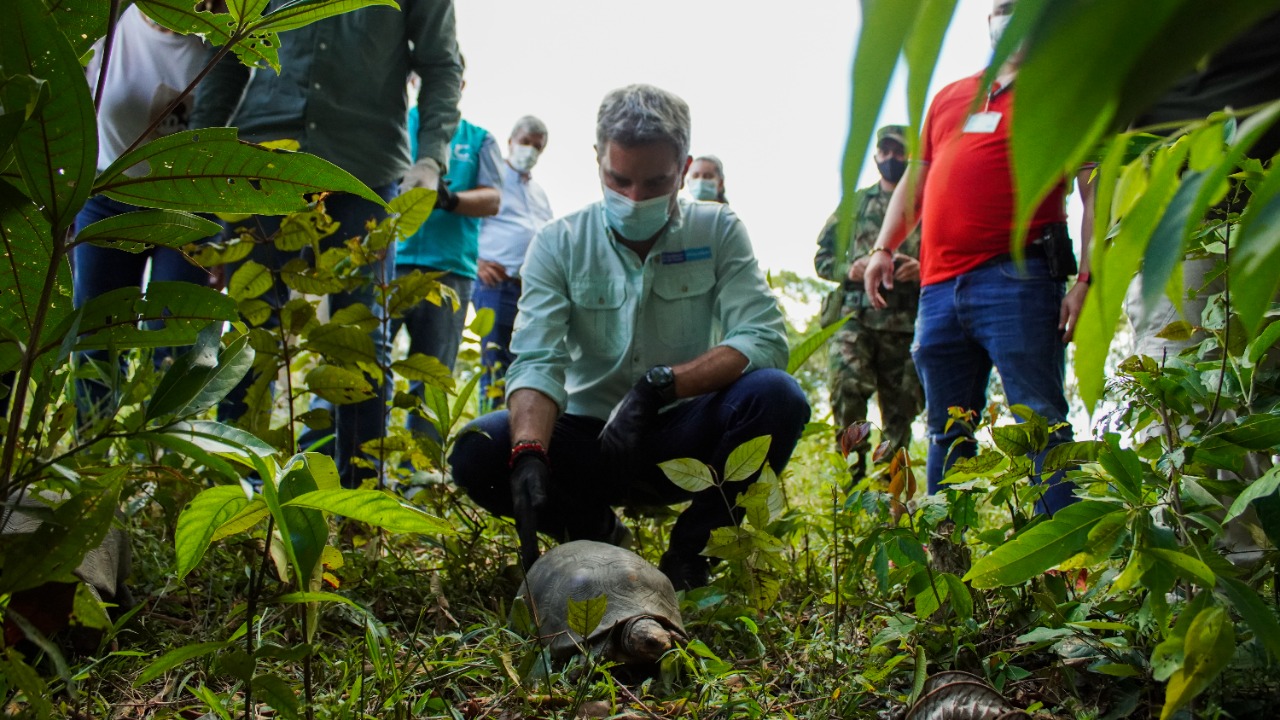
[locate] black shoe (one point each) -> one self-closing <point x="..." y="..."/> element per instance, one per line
<point x="685" y="572"/>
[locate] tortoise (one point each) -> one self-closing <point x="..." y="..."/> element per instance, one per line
<point x="641" y="620"/>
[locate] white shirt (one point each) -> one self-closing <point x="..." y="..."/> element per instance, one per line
<point x="505" y="237"/>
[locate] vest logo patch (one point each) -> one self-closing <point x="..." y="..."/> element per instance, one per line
<point x="686" y="255"/>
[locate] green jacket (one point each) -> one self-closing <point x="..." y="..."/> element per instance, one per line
<point x="870" y="203"/>
<point x="341" y="89"/>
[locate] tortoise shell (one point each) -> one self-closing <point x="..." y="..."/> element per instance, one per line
<point x="584" y="569"/>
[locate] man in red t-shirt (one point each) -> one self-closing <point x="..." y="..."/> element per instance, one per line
<point x="978" y="308"/>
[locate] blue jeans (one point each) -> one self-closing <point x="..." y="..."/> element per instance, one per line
<point x="584" y="486"/>
<point x="495" y="347"/>
<point x="992" y="315"/>
<point x="99" y="270"/>
<point x="434" y="330"/>
<point x="356" y="423"/>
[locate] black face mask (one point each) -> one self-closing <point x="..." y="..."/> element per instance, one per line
<point x="891" y="169"/>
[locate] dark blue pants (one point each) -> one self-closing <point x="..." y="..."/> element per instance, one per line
<point x="584" y="487"/>
<point x="995" y="315"/>
<point x="495" y="347"/>
<point x="99" y="270"/>
<point x="359" y="422"/>
<point x="434" y="330"/>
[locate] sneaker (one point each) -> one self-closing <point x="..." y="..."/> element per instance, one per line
<point x="685" y="572"/>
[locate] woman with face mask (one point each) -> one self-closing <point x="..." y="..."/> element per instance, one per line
<point x="706" y="179"/>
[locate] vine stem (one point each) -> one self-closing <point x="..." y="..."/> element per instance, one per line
<point x="255" y="587"/>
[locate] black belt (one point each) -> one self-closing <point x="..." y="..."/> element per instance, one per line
<point x="1029" y="252"/>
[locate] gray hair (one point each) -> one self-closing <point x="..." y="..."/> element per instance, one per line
<point x="529" y="124"/>
<point x="642" y="114"/>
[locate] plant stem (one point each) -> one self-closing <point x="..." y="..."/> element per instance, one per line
<point x="256" y="576"/>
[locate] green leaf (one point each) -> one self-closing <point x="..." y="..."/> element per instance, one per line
<point x="342" y="344"/>
<point x="1189" y="567"/>
<point x="1013" y="440"/>
<point x="304" y="530"/>
<point x="585" y="615"/>
<point x="59" y="544"/>
<point x="24" y="270"/>
<point x="223" y="440"/>
<point x="688" y="473"/>
<point x="410" y="210"/>
<point x="338" y="385"/>
<point x="1266" y="339"/>
<point x="200" y="519"/>
<point x="1069" y="454"/>
<point x="137" y="231"/>
<point x="746" y="459"/>
<point x="1209" y="645"/>
<point x="22" y="676"/>
<point x="1264" y="486"/>
<point x="1040" y="547"/>
<point x="56" y="150"/>
<point x="211" y="170"/>
<point x="376" y="508"/>
<point x="755" y="500"/>
<point x="248" y="517"/>
<point x="800" y="351"/>
<point x="424" y="368"/>
<point x="176" y="657"/>
<point x="192" y="371"/>
<point x="961" y="600"/>
<point x="249" y="281"/>
<point x="277" y="693"/>
<point x="21" y="96"/>
<point x="173" y="313"/>
<point x="1125" y="468"/>
<point x="295" y="598"/>
<point x="1257" y="614"/>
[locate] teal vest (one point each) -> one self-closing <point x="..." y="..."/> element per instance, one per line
<point x="447" y="241"/>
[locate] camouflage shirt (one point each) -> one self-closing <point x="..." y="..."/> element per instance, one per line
<point x="871" y="203"/>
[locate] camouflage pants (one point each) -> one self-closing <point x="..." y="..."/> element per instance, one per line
<point x="875" y="362"/>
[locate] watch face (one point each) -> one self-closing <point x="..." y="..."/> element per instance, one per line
<point x="660" y="376"/>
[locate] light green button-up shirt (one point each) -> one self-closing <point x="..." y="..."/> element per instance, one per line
<point x="593" y="317"/>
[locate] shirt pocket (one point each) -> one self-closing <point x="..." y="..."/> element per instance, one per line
<point x="684" y="307"/>
<point x="596" y="323"/>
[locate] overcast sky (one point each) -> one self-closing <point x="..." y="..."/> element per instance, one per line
<point x="767" y="83"/>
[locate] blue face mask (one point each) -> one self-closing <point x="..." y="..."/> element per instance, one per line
<point x="704" y="189"/>
<point x="633" y="220"/>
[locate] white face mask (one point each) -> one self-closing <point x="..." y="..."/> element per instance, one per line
<point x="998" y="25"/>
<point x="523" y="157"/>
<point x="636" y="220"/>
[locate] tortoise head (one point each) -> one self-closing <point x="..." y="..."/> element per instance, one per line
<point x="642" y="639"/>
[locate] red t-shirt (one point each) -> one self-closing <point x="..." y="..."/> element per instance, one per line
<point x="967" y="213"/>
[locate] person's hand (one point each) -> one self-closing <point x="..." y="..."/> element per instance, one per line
<point x="1069" y="315"/>
<point x="491" y="273"/>
<point x="879" y="273"/>
<point x="530" y="477"/>
<point x="621" y="438"/>
<point x="906" y="268"/>
<point x="424" y="174"/>
<point x="217" y="277"/>
<point x="446" y="199"/>
<point x="856" y="270"/>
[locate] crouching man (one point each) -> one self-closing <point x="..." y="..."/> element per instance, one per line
<point x="645" y="332"/>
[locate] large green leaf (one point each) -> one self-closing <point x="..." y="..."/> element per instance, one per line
<point x="24" y="270"/>
<point x="218" y="29"/>
<point x="200" y="519"/>
<point x="810" y="344"/>
<point x="293" y="15"/>
<point x="1257" y="614"/>
<point x="1121" y="258"/>
<point x="57" y="149"/>
<point x="688" y="473"/>
<point x="138" y="231"/>
<point x="57" y="547"/>
<point x="410" y="210"/>
<point x="305" y="529"/>
<point x="21" y="96"/>
<point x="746" y="459"/>
<point x="1264" y="486"/>
<point x="424" y="368"/>
<point x="343" y="344"/>
<point x="278" y="693"/>
<point x="177" y="312"/>
<point x="210" y="170"/>
<point x="176" y="657"/>
<point x="338" y="385"/>
<point x="1039" y="547"/>
<point x="189" y="388"/>
<point x="1209" y="645"/>
<point x="223" y="440"/>
<point x="585" y="615"/>
<point x="373" y="507"/>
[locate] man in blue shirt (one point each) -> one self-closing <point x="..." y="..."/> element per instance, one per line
<point x="646" y="332"/>
<point x="504" y="239"/>
<point x="447" y="244"/>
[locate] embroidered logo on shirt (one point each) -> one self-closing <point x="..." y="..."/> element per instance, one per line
<point x="687" y="255"/>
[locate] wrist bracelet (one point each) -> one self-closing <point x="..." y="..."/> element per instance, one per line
<point x="875" y="250"/>
<point x="528" y="447"/>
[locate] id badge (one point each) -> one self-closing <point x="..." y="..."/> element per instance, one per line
<point x="983" y="122"/>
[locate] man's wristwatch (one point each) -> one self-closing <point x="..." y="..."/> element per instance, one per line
<point x="663" y="379"/>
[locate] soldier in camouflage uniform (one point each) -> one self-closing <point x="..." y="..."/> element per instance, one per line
<point x="871" y="353"/>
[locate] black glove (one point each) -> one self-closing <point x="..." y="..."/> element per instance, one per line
<point x="445" y="198"/>
<point x="530" y="476"/>
<point x="622" y="438"/>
